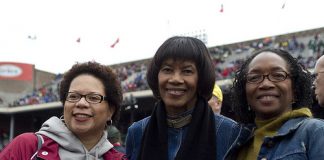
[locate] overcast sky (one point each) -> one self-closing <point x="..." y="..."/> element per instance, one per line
<point x="45" y="32"/>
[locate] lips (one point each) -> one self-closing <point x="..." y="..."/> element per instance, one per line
<point x="175" y="91"/>
<point x="82" y="116"/>
<point x="267" y="96"/>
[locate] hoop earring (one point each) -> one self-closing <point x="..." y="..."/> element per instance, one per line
<point x="108" y="124"/>
<point x="62" y="119"/>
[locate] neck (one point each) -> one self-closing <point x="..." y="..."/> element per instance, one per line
<point x="90" y="140"/>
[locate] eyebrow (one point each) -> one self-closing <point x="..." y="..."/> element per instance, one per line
<point x="274" y="69"/>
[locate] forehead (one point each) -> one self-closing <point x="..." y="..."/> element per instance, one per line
<point x="183" y="63"/>
<point x="86" y="82"/>
<point x="320" y="64"/>
<point x="268" y="61"/>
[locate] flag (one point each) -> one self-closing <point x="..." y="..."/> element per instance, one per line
<point x="222" y="8"/>
<point x="113" y="45"/>
<point x="78" y="40"/>
<point x="283" y="6"/>
<point x="32" y="37"/>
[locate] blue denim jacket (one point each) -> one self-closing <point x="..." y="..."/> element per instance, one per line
<point x="228" y="133"/>
<point x="298" y="139"/>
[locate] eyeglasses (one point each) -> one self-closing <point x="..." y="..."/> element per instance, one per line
<point x="92" y="98"/>
<point x="273" y="77"/>
<point x="314" y="75"/>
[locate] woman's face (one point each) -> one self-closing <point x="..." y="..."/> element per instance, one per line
<point x="269" y="99"/>
<point x="178" y="85"/>
<point x="84" y="118"/>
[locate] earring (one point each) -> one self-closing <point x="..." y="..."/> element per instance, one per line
<point x="108" y="124"/>
<point x="62" y="119"/>
<point x="249" y="108"/>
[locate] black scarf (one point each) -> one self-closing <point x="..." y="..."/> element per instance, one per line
<point x="199" y="143"/>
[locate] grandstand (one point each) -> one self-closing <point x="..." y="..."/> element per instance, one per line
<point x="26" y="104"/>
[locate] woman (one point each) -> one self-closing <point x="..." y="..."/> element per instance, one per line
<point x="272" y="93"/>
<point x="91" y="96"/>
<point x="182" y="125"/>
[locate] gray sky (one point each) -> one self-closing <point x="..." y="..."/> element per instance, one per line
<point x="141" y="26"/>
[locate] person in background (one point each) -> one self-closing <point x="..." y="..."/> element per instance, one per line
<point x="182" y="126"/>
<point x="91" y="96"/>
<point x="272" y="94"/>
<point x="319" y="80"/>
<point x="115" y="138"/>
<point x="215" y="102"/>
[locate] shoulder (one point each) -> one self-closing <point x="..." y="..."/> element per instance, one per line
<point x="141" y="124"/>
<point x="136" y="130"/>
<point x="313" y="124"/>
<point x="224" y="121"/>
<point x="113" y="154"/>
<point x="25" y="139"/>
<point x="21" y="147"/>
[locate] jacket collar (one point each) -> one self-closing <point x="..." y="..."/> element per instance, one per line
<point x="291" y="126"/>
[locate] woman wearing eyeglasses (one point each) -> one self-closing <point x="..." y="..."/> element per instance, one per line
<point x="272" y="93"/>
<point x="91" y="96"/>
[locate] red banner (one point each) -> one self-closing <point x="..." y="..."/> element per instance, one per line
<point x="16" y="71"/>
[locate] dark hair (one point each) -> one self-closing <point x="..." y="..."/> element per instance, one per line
<point x="184" y="48"/>
<point x="301" y="85"/>
<point x="106" y="75"/>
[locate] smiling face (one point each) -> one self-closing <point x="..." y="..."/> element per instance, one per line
<point x="269" y="99"/>
<point x="81" y="117"/>
<point x="178" y="85"/>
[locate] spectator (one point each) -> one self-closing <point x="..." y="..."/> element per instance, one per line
<point x="319" y="80"/>
<point x="215" y="102"/>
<point x="182" y="125"/>
<point x="272" y="93"/>
<point x="91" y="96"/>
<point x="115" y="138"/>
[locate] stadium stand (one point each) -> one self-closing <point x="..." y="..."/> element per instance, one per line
<point x="25" y="105"/>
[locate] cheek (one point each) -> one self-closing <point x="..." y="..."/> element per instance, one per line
<point x="67" y="109"/>
<point x="248" y="93"/>
<point x="290" y="92"/>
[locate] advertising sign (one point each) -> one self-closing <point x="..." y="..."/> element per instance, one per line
<point x="16" y="71"/>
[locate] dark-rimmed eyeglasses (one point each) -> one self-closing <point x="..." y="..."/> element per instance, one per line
<point x="273" y="77"/>
<point x="314" y="75"/>
<point x="92" y="98"/>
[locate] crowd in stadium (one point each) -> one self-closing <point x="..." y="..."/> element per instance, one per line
<point x="227" y="59"/>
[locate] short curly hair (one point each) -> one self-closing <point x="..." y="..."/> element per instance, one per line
<point x="301" y="84"/>
<point x="104" y="73"/>
<point x="184" y="48"/>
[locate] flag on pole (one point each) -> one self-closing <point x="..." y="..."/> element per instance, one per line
<point x="113" y="45"/>
<point x="32" y="37"/>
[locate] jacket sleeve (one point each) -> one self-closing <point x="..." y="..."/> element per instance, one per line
<point x="21" y="147"/>
<point x="134" y="138"/>
<point x="316" y="140"/>
<point x="130" y="142"/>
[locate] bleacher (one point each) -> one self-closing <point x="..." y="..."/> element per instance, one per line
<point x="227" y="59"/>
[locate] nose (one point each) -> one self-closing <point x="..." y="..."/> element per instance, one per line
<point x="176" y="78"/>
<point x="82" y="103"/>
<point x="266" y="83"/>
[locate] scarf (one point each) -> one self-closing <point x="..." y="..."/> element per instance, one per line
<point x="199" y="143"/>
